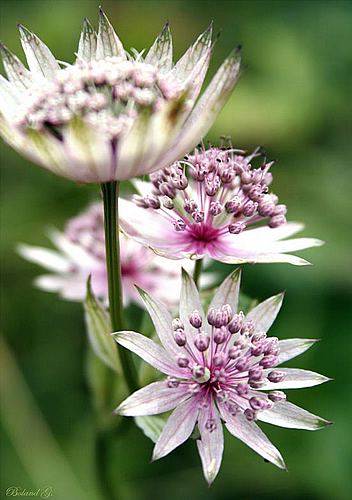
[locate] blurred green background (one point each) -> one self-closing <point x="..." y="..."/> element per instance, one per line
<point x="292" y="99"/>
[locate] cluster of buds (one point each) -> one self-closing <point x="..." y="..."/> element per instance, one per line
<point x="228" y="359"/>
<point x="214" y="192"/>
<point x="108" y="93"/>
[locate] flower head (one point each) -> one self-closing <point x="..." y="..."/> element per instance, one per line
<point x="222" y="368"/>
<point x="81" y="253"/>
<point x="215" y="203"/>
<point x="110" y="115"/>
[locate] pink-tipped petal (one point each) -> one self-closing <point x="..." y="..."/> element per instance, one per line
<point x="153" y="399"/>
<point x="178" y="428"/>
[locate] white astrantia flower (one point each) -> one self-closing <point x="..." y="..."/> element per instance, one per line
<point x="110" y="115"/>
<point x="222" y="369"/>
<point x="81" y="253"/>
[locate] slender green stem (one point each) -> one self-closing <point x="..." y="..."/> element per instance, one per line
<point x="197" y="271"/>
<point x="110" y="192"/>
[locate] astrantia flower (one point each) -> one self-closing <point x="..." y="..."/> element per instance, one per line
<point x="213" y="203"/>
<point x="110" y="115"/>
<point x="222" y="368"/>
<point x="81" y="252"/>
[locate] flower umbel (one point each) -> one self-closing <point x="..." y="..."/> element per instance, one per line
<point x="81" y="253"/>
<point x="110" y="115"/>
<point x="215" y="203"/>
<point x="222" y="368"/>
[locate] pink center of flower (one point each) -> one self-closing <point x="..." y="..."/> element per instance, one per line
<point x="228" y="365"/>
<point x="213" y="193"/>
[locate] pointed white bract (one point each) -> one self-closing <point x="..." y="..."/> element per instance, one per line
<point x="214" y="203"/>
<point x="110" y="115"/>
<point x="80" y="252"/>
<point x="222" y="367"/>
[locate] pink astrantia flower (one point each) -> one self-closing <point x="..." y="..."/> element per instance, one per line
<point x="81" y="252"/>
<point x="222" y="368"/>
<point x="214" y="203"/>
<point x="110" y="115"/>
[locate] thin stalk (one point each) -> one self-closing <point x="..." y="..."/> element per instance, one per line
<point x="110" y="192"/>
<point x="197" y="271"/>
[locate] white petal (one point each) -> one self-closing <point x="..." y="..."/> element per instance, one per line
<point x="146" y="226"/>
<point x="295" y="244"/>
<point x="160" y="53"/>
<point x="264" y="314"/>
<point x="285" y="414"/>
<point x="211" y="444"/>
<point x="228" y="292"/>
<point x="47" y="151"/>
<point x="162" y="321"/>
<point x="88" y="153"/>
<point x="153" y="399"/>
<point x="16" y="72"/>
<point x="252" y="436"/>
<point x="143" y="148"/>
<point x="150" y="352"/>
<point x="295" y="379"/>
<point x="10" y="98"/>
<point x="108" y="43"/>
<point x="87" y="43"/>
<point x="206" y="109"/>
<point x="270" y="234"/>
<point x="178" y="428"/>
<point x="40" y="60"/>
<point x="278" y="257"/>
<point x="70" y="286"/>
<point x="44" y="257"/>
<point x="75" y="253"/>
<point x="291" y="348"/>
<point x="184" y="66"/>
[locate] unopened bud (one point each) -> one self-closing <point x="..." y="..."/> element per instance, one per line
<point x="182" y="361"/>
<point x="195" y="319"/>
<point x="276" y="376"/>
<point x="201" y="342"/>
<point x="180" y="337"/>
<point x="277" y="396"/>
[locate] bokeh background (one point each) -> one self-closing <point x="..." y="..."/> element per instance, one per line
<point x="292" y="98"/>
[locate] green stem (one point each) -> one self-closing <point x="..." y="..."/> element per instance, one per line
<point x="110" y="192"/>
<point x="197" y="271"/>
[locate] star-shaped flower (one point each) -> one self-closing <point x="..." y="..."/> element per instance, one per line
<point x="222" y="369"/>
